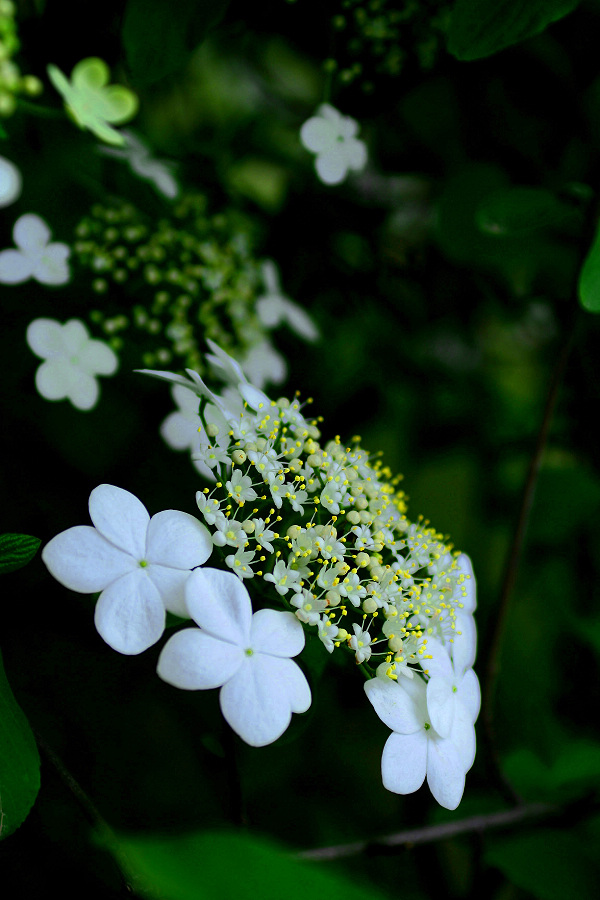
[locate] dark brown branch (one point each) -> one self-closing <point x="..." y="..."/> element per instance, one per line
<point x="432" y="833"/>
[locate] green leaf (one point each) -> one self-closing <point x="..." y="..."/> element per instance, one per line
<point x="16" y="550"/>
<point x="588" y="288"/>
<point x="159" y="37"/>
<point x="520" y="210"/>
<point x="19" y="762"/>
<point x="231" y="866"/>
<point x="550" y="863"/>
<point x="481" y="27"/>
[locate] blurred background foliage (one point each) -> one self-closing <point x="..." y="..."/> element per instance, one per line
<point x="443" y="279"/>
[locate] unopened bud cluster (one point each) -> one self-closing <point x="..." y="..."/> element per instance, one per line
<point x="188" y="274"/>
<point x="12" y="83"/>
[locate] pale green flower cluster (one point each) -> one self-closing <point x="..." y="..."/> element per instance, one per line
<point x="12" y="83"/>
<point x="321" y="527"/>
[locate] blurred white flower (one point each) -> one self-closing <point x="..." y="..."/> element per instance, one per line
<point x="332" y="137"/>
<point x="140" y="564"/>
<point x="137" y="154"/>
<point x="72" y="361"/>
<point x="263" y="365"/>
<point x="274" y="308"/>
<point x="92" y="102"/>
<point x="248" y="656"/>
<point x="183" y="429"/>
<point x="36" y="257"/>
<point x="10" y="182"/>
<point x="415" y="749"/>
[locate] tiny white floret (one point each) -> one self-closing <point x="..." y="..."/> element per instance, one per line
<point x="332" y="137"/>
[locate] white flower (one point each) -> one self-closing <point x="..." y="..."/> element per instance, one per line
<point x="360" y="643"/>
<point x="35" y="258"/>
<point x="414" y="749"/>
<point x="10" y="182"/>
<point x="72" y="361"/>
<point x="332" y="137"/>
<point x="137" y="154"/>
<point x="283" y="578"/>
<point x="274" y="308"/>
<point x="240" y="488"/>
<point x="246" y="655"/>
<point x="264" y="365"/>
<point x="448" y="688"/>
<point x="263" y="535"/>
<point x="241" y="562"/>
<point x="327" y="633"/>
<point x="140" y="564"/>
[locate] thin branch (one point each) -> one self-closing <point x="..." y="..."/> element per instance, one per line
<point x="513" y="562"/>
<point x="432" y="833"/>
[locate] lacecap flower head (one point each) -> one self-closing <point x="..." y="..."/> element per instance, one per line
<point x="321" y="529"/>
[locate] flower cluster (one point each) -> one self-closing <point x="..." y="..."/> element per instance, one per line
<point x="12" y="83"/>
<point x="173" y="278"/>
<point x="322" y="529"/>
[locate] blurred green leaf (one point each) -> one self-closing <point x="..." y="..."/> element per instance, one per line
<point x="228" y="866"/>
<point x="521" y="209"/>
<point x="589" y="278"/>
<point x="550" y="863"/>
<point x="19" y="762"/>
<point x="159" y="37"/>
<point x="481" y="27"/>
<point x="16" y="550"/>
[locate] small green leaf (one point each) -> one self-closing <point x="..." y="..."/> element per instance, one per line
<point x="231" y="866"/>
<point x="481" y="27"/>
<point x="589" y="278"/>
<point x="16" y="550"/>
<point x="19" y="762"/>
<point x="520" y="210"/>
<point x="159" y="37"/>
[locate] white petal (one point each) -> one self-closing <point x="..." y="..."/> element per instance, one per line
<point x="52" y="266"/>
<point x="445" y="773"/>
<point x="45" y="337"/>
<point x="440" y="704"/>
<point x="255" y="701"/>
<point x="75" y="336"/>
<point x="170" y="584"/>
<point x="296" y="685"/>
<point x="464" y="645"/>
<point x="220" y="604"/>
<point x="253" y="397"/>
<point x="462" y="736"/>
<point x="130" y="615"/>
<point x="54" y="379"/>
<point x="331" y="166"/>
<point x="440" y="663"/>
<point x="180" y="431"/>
<point x="15" y="267"/>
<point x="469" y="694"/>
<point x="194" y="661"/>
<point x="82" y="560"/>
<point x="186" y="400"/>
<point x="83" y="390"/>
<point x="10" y="182"/>
<point x="317" y="134"/>
<point x="270" y="310"/>
<point x="356" y="155"/>
<point x="97" y="358"/>
<point x="276" y="633"/>
<point x="300" y="322"/>
<point x="177" y="539"/>
<point x="31" y="234"/>
<point x="466" y="566"/>
<point x="393" y="705"/>
<point x="120" y="517"/>
<point x="404" y="762"/>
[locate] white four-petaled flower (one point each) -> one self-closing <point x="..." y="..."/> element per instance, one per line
<point x="247" y="655"/>
<point x="140" y="564"/>
<point x="332" y="137"/>
<point x="72" y="360"/>
<point x="36" y="257"/>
